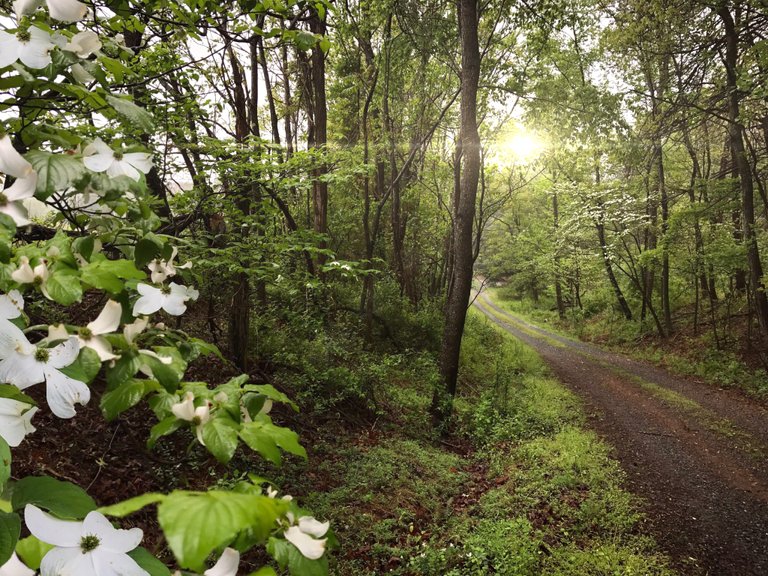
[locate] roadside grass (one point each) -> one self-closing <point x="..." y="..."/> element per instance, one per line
<point x="520" y="488"/>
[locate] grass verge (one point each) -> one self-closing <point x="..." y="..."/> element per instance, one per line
<point x="520" y="489"/>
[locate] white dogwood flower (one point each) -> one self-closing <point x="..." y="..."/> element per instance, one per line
<point x="15" y="567"/>
<point x="31" y="45"/>
<point x="38" y="275"/>
<point x="92" y="547"/>
<point x="160" y="270"/>
<point x="92" y="335"/>
<point x="99" y="157"/>
<point x="62" y="10"/>
<point x="171" y="298"/>
<point x="307" y="536"/>
<point x="23" y="365"/>
<point x="15" y="421"/>
<point x="13" y="164"/>
<point x="225" y="566"/>
<point x="11" y="305"/>
<point x="83" y="43"/>
<point x="198" y="416"/>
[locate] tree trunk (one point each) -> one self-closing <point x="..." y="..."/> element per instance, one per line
<point x="461" y="284"/>
<point x="735" y="133"/>
<point x="318" y="137"/>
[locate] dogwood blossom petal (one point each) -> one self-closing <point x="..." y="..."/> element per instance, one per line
<point x="108" y="320"/>
<point x="11" y="304"/>
<point x="122" y="168"/>
<point x="151" y="300"/>
<point x="15" y="421"/>
<point x="107" y="563"/>
<point x="9" y="49"/>
<point x="11" y="162"/>
<point x="36" y="52"/>
<point x="112" y="539"/>
<point x="67" y="10"/>
<point x="66" y="561"/>
<point x="49" y="529"/>
<point x="175" y="301"/>
<point x="226" y="565"/>
<point x="63" y="392"/>
<point x="307" y="545"/>
<point x="63" y="354"/>
<point x="185" y="410"/>
<point x="21" y="370"/>
<point x="22" y="7"/>
<point x="101" y="346"/>
<point x="84" y="43"/>
<point x="97" y="156"/>
<point x="57" y="332"/>
<point x="141" y="161"/>
<point x="24" y="273"/>
<point x="309" y="525"/>
<point x="131" y="331"/>
<point x="12" y="340"/>
<point x="15" y="567"/>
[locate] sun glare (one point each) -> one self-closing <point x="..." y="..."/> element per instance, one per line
<point x="519" y="146"/>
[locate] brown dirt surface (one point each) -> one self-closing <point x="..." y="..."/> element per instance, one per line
<point x="697" y="455"/>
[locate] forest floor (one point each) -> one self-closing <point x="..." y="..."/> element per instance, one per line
<point x="694" y="452"/>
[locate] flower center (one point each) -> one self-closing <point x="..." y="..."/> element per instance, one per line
<point x="42" y="354"/>
<point x="3" y="199"/>
<point x="165" y="290"/>
<point x="85" y="333"/>
<point x="23" y="35"/>
<point x="117" y="156"/>
<point x="38" y="281"/>
<point x="197" y="421"/>
<point x="89" y="543"/>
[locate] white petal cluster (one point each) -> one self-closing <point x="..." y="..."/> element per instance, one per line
<point x="38" y="275"/>
<point x="62" y="10"/>
<point x="92" y="547"/>
<point x="23" y="365"/>
<point x="93" y="335"/>
<point x="11" y="305"/>
<point x="32" y="46"/>
<point x="83" y="43"/>
<point x="160" y="270"/>
<point x="12" y="164"/>
<point x="171" y="298"/>
<point x="99" y="157"/>
<point x="199" y="416"/>
<point x="15" y="421"/>
<point x="307" y="536"/>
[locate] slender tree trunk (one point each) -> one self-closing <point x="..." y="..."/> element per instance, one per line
<point x="461" y="285"/>
<point x="735" y="132"/>
<point x="319" y="136"/>
<point x="558" y="287"/>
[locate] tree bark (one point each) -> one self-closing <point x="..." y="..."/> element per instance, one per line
<point x="461" y="285"/>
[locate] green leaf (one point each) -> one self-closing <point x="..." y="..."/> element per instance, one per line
<point x="31" y="551"/>
<point x="132" y="505"/>
<point x="169" y="375"/>
<point x="5" y="463"/>
<point x="220" y="436"/>
<point x="133" y="113"/>
<point x="145" y="560"/>
<point x="12" y="392"/>
<point x="125" y="367"/>
<point x="101" y="279"/>
<point x="10" y="528"/>
<point x="147" y="249"/>
<point x="197" y="523"/>
<point x="261" y="434"/>
<point x="264" y="571"/>
<point x="261" y="443"/>
<point x="55" y="172"/>
<point x="125" y="396"/>
<point x="272" y="393"/>
<point x="85" y="367"/>
<point x="63" y="499"/>
<point x="125" y="269"/>
<point x="166" y="426"/>
<point x="63" y="285"/>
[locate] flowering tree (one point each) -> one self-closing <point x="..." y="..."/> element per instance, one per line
<point x="69" y="153"/>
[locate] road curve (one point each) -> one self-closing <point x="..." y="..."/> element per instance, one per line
<point x="698" y="455"/>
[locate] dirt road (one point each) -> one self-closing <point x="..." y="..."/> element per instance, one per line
<point x="698" y="455"/>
